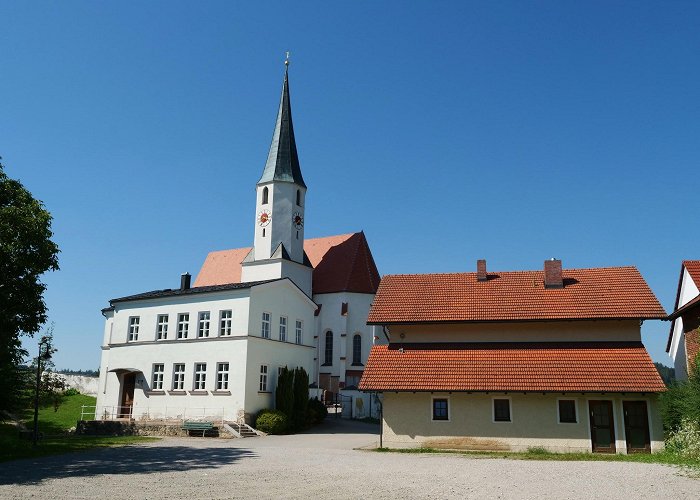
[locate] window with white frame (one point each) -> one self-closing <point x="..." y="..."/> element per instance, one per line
<point x="222" y="377"/>
<point x="299" y="332"/>
<point x="567" y="411"/>
<point x="158" y="370"/>
<point x="441" y="409"/>
<point x="225" y="323"/>
<point x="162" y="328"/>
<point x="283" y="328"/>
<point x="200" y="376"/>
<point x="263" y="378"/>
<point x="183" y="325"/>
<point x="265" y="332"/>
<point x="179" y="377"/>
<point x="203" y="330"/>
<point x="134" y="328"/>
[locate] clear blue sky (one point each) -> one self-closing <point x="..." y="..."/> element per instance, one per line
<point x="448" y="131"/>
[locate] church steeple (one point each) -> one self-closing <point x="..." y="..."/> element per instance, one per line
<point x="282" y="160"/>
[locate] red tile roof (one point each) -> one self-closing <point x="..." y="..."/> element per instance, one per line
<point x="342" y="263"/>
<point x="512" y="367"/>
<point x="614" y="292"/>
<point x="693" y="268"/>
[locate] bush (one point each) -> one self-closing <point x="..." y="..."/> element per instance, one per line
<point x="686" y="440"/>
<point x="682" y="401"/>
<point x="71" y="391"/>
<point x="272" y="422"/>
<point x="315" y="412"/>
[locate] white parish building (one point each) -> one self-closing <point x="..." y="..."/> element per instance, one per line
<point x="214" y="349"/>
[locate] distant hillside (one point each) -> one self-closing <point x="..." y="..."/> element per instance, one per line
<point x="668" y="374"/>
<point x="84" y="373"/>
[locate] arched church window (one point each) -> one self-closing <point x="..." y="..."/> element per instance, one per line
<point x="357" y="349"/>
<point x="265" y="195"/>
<point x="298" y="197"/>
<point x="328" y="358"/>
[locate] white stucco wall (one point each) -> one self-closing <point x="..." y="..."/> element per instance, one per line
<point x="677" y="352"/>
<point x="408" y="422"/>
<point x="540" y="331"/>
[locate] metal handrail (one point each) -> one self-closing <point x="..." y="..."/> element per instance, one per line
<point x="162" y="413"/>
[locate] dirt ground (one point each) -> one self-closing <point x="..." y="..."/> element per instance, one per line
<point x="324" y="464"/>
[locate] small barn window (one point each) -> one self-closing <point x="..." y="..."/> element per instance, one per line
<point x="298" y="197"/>
<point x="265" y="195"/>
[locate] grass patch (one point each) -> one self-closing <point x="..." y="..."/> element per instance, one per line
<point x="543" y="454"/>
<point x="53" y="422"/>
<point x="54" y="425"/>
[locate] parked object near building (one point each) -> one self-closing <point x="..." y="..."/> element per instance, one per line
<point x="513" y="360"/>
<point x="684" y="338"/>
<point x="214" y="349"/>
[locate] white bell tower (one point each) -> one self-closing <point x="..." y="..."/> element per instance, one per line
<point x="278" y="245"/>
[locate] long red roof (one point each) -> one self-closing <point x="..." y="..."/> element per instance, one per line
<point x="504" y="367"/>
<point x="598" y="293"/>
<point x="342" y="263"/>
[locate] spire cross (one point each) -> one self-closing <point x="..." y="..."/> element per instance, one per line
<point x="286" y="61"/>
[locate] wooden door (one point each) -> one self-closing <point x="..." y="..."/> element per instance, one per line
<point x="127" y="402"/>
<point x="602" y="426"/>
<point x="636" y="426"/>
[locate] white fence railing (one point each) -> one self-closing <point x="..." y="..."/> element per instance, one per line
<point x="162" y="413"/>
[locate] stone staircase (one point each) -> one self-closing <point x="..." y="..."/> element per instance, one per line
<point x="242" y="430"/>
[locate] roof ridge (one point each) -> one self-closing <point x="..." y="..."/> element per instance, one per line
<point x="522" y="271"/>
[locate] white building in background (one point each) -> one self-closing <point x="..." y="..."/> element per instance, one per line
<point x="215" y="348"/>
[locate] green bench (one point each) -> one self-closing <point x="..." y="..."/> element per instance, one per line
<point x="197" y="426"/>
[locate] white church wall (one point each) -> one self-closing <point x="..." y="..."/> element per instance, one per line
<point x="687" y="293"/>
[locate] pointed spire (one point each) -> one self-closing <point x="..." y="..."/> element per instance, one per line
<point x="283" y="161"/>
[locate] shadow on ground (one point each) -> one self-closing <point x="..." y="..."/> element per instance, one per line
<point x="122" y="460"/>
<point x="333" y="425"/>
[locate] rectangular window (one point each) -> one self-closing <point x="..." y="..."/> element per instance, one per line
<point x="222" y="377"/>
<point x="183" y="325"/>
<point x="283" y="329"/>
<point x="225" y="323"/>
<point x="501" y="410"/>
<point x="299" y="332"/>
<point x="567" y="411"/>
<point x="440" y="409"/>
<point x="200" y="376"/>
<point x="162" y="328"/>
<point x="265" y="325"/>
<point x="158" y="370"/>
<point x="179" y="377"/>
<point x="134" y="328"/>
<point x="263" y="378"/>
<point x="203" y="330"/>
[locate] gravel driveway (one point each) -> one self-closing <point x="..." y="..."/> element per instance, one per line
<point x="324" y="464"/>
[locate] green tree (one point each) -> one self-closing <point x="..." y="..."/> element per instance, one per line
<point x="284" y="395"/>
<point x="301" y="398"/>
<point x="681" y="402"/>
<point x="26" y="252"/>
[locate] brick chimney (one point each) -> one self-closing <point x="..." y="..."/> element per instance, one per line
<point x="481" y="270"/>
<point x="185" y="281"/>
<point x="552" y="274"/>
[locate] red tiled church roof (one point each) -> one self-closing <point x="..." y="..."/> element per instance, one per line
<point x="614" y="292"/>
<point x="521" y="367"/>
<point x="342" y="263"/>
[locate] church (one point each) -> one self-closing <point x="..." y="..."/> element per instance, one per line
<point x="213" y="349"/>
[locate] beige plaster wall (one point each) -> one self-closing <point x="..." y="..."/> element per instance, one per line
<point x="534" y="422"/>
<point x="537" y="331"/>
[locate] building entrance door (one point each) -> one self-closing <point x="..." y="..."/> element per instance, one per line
<point x="127" y="401"/>
<point x="636" y="426"/>
<point x="602" y="426"/>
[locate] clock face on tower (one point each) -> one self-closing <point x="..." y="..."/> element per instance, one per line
<point x="264" y="217"/>
<point x="297" y="220"/>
